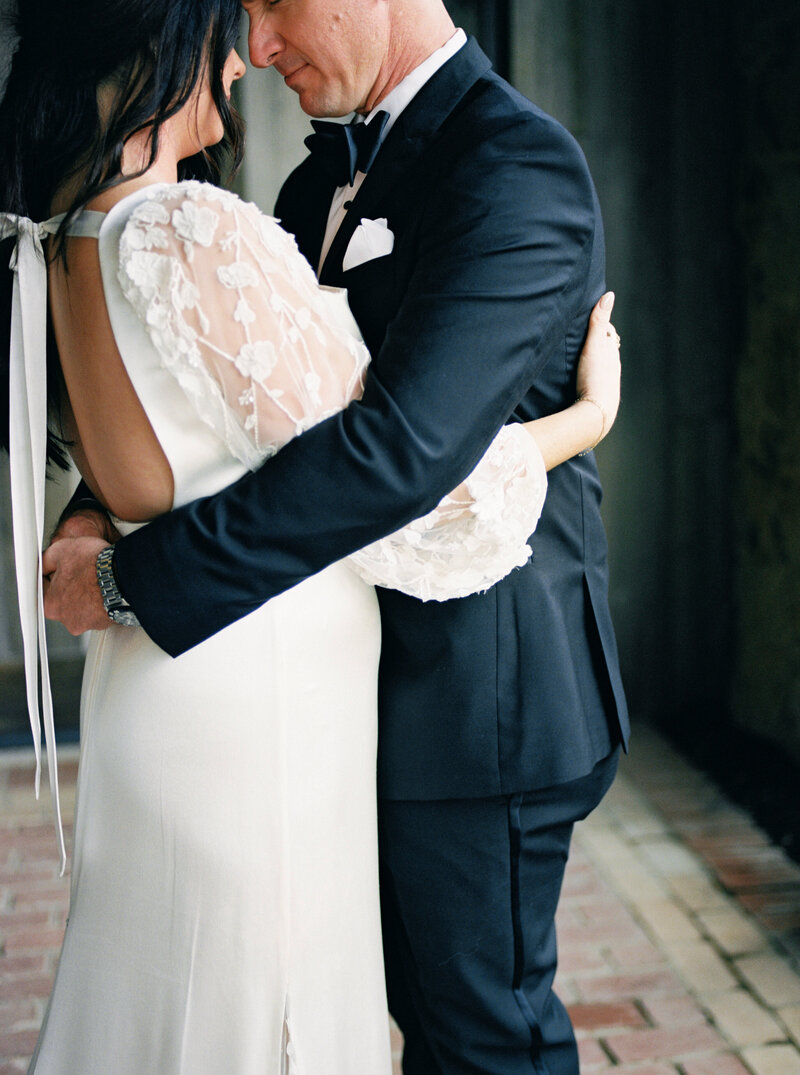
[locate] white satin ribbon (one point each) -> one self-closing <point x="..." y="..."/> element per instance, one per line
<point x="28" y="462"/>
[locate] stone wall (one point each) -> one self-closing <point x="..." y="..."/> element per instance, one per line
<point x="688" y="114"/>
<point x="646" y="92"/>
<point x="767" y="685"/>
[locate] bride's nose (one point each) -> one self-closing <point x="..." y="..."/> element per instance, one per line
<point x="239" y="67"/>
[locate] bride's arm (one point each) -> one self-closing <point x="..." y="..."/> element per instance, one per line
<point x="479" y="532"/>
<point x="581" y="427"/>
<point x="576" y="430"/>
<point x="263" y="353"/>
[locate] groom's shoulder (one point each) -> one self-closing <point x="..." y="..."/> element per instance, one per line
<point x="497" y="135"/>
<point x="496" y="110"/>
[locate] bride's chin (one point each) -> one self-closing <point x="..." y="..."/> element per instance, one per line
<point x="215" y="136"/>
<point x="208" y="139"/>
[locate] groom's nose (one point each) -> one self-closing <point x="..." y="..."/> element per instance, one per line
<point x="263" y="44"/>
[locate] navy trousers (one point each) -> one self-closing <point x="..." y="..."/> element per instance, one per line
<point x="469" y="890"/>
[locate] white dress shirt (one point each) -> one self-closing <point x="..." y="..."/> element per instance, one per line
<point x="393" y="103"/>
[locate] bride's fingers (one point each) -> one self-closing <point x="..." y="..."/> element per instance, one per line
<point x="600" y="327"/>
<point x="601" y="314"/>
<point x="599" y="369"/>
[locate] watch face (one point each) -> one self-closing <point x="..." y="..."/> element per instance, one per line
<point x="124" y="617"/>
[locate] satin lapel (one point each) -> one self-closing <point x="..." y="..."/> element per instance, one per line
<point x="416" y="127"/>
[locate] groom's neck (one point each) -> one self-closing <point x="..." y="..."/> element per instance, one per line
<point x="418" y="29"/>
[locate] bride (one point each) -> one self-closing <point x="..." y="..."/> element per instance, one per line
<point x="224" y="901"/>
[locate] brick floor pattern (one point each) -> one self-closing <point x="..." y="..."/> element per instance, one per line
<point x="679" y="925"/>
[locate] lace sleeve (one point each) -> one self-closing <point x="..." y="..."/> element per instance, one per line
<point x="475" y="536"/>
<point x="236" y="314"/>
<point x="263" y="353"/>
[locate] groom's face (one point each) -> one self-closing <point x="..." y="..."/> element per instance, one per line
<point x="330" y="52"/>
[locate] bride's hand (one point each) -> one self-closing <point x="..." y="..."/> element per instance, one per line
<point x="578" y="428"/>
<point x="599" y="370"/>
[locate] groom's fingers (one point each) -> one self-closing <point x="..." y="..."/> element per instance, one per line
<point x="85" y="522"/>
<point x="71" y="592"/>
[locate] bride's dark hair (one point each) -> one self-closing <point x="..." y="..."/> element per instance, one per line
<point x="147" y="56"/>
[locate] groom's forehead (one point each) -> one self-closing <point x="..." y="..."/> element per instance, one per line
<point x="313" y="11"/>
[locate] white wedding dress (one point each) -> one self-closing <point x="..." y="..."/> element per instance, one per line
<point x="224" y="906"/>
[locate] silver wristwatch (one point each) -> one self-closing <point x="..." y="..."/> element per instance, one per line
<point x="115" y="604"/>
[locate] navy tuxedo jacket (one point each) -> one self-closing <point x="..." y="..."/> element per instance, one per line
<point x="476" y="318"/>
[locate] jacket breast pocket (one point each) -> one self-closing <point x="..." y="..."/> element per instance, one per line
<point x="374" y="295"/>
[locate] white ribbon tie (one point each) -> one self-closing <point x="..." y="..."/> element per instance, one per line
<point x="28" y="464"/>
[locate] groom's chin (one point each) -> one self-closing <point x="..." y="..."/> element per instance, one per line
<point x="315" y="101"/>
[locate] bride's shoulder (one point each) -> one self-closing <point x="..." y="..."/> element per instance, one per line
<point x="178" y="242"/>
<point x="191" y="214"/>
<point x="188" y="192"/>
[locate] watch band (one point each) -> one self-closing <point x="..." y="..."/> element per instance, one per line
<point x="114" y="603"/>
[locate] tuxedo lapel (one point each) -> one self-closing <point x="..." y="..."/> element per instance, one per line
<point x="416" y="127"/>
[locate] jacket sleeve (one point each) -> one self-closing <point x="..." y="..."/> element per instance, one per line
<point x="506" y="238"/>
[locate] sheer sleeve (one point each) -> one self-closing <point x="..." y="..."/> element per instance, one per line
<point x="236" y="314"/>
<point x="263" y="353"/>
<point x="475" y="536"/>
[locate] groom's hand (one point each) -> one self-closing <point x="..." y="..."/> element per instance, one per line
<point x="85" y="522"/>
<point x="71" y="591"/>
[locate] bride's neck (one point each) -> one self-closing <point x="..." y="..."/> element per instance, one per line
<point x="164" y="169"/>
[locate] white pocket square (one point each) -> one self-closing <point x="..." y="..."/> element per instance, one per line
<point x="371" y="239"/>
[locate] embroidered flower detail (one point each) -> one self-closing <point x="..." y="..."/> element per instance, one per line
<point x="194" y="224"/>
<point x="257" y="360"/>
<point x="312" y="381"/>
<point x="277" y="304"/>
<point x="243" y="313"/>
<point x="186" y="295"/>
<point x="151" y="213"/>
<point x="147" y="237"/>
<point x="272" y="235"/>
<point x="228" y="240"/>
<point x="237" y="275"/>
<point x="143" y="268"/>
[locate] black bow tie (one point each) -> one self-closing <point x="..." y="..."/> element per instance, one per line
<point x="346" y="148"/>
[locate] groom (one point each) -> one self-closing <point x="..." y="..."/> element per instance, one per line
<point x="502" y="714"/>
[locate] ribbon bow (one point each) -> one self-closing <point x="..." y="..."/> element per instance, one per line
<point x="346" y="148"/>
<point x="27" y="466"/>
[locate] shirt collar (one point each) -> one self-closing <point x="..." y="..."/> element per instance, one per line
<point x="395" y="101"/>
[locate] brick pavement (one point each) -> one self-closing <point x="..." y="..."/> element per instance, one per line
<point x="679" y="926"/>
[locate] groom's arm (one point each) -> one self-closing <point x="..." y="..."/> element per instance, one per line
<point x="507" y="241"/>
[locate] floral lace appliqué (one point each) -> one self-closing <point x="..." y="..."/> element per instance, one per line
<point x="237" y="317"/>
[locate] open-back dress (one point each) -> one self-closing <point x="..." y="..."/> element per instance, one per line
<point x="224" y="912"/>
